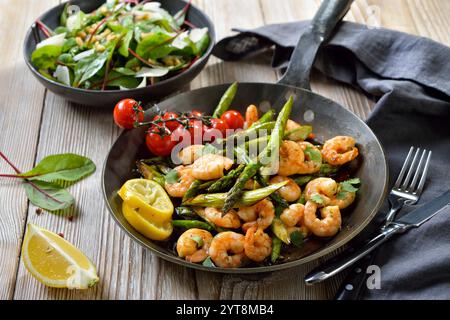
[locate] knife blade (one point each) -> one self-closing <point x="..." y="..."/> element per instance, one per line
<point x="410" y="220"/>
<point x="425" y="212"/>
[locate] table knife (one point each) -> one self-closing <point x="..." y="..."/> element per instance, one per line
<point x="413" y="219"/>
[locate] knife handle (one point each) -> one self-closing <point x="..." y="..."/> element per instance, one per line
<point x="343" y="261"/>
<point x="353" y="284"/>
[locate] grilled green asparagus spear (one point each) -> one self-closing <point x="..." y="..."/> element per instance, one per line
<point x="189" y="224"/>
<point x="278" y="200"/>
<point x="248" y="198"/>
<point x="225" y="101"/>
<point x="227" y="180"/>
<point x="150" y="172"/>
<point x="192" y="191"/>
<point x="235" y="193"/>
<point x="277" y="134"/>
<point x="186" y="212"/>
<point x="266" y="117"/>
<point x="276" y="249"/>
<point x="299" y="133"/>
<point x="250" y="132"/>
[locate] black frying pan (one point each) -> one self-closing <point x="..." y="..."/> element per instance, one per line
<point x="327" y="117"/>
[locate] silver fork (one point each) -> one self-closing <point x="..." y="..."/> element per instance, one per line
<point x="404" y="192"/>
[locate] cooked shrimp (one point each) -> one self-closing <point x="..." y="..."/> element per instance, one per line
<point x="251" y="115"/>
<point x="214" y="215"/>
<point x="185" y="179"/>
<point x="292" y="160"/>
<point x="293" y="215"/>
<point x="210" y="167"/>
<point x="339" y="150"/>
<point x="326" y="188"/>
<point x="258" y="244"/>
<point x="193" y="245"/>
<point x="247" y="214"/>
<point x="227" y="249"/>
<point x="251" y="185"/>
<point x="309" y="165"/>
<point x="290" y="191"/>
<point x="330" y="223"/>
<point x="264" y="211"/>
<point x="343" y="199"/>
<point x="290" y="126"/>
<point x="191" y="153"/>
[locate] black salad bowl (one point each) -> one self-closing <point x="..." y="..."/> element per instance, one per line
<point x="108" y="98"/>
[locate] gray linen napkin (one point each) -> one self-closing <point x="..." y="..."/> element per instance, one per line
<point x="409" y="78"/>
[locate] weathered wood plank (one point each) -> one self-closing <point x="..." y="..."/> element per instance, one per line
<point x="127" y="271"/>
<point x="21" y="104"/>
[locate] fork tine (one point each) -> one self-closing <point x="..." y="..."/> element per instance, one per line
<point x="418" y="171"/>
<point x="405" y="165"/>
<point x="424" y="175"/>
<point x="410" y="171"/>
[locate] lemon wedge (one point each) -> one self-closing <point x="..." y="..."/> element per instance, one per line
<point x="55" y="262"/>
<point x="152" y="200"/>
<point x="150" y="229"/>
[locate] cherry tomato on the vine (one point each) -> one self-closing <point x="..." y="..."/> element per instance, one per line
<point x="171" y="125"/>
<point x="160" y="143"/>
<point x="125" y="114"/>
<point x="217" y="129"/>
<point x="195" y="113"/>
<point x="233" y="119"/>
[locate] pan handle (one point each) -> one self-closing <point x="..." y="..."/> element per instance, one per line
<point x="330" y="13"/>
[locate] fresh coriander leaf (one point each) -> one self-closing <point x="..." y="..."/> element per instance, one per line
<point x="66" y="167"/>
<point x="349" y="185"/>
<point x="297" y="238"/>
<point x="47" y="195"/>
<point x="317" y="199"/>
<point x="172" y="177"/>
<point x="341" y="195"/>
<point x="313" y="154"/>
<point x="208" y="263"/>
<point x="198" y="240"/>
<point x="353" y="181"/>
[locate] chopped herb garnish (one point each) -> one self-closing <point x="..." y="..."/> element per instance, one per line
<point x="313" y="154"/>
<point x="172" y="176"/>
<point x="317" y="199"/>
<point x="297" y="238"/>
<point x="208" y="262"/>
<point x="350" y="185"/>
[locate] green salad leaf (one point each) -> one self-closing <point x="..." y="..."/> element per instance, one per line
<point x="45" y="57"/>
<point x="48" y="196"/>
<point x="66" y="167"/>
<point x="142" y="40"/>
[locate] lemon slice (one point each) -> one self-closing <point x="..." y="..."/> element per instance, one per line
<point x="55" y="262"/>
<point x="151" y="230"/>
<point x="152" y="200"/>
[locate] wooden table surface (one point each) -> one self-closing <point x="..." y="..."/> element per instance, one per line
<point x="35" y="123"/>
